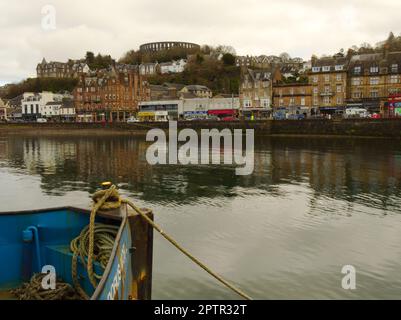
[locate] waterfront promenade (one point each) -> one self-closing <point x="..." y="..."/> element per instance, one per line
<point x="378" y="128"/>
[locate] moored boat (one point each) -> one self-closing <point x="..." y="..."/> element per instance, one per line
<point x="32" y="240"/>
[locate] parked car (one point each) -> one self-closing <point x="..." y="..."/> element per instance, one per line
<point x="41" y="120"/>
<point x="213" y="118"/>
<point x="228" y="119"/>
<point x="356" y="113"/>
<point x="279" y="116"/>
<point x="375" y="116"/>
<point x="296" y="117"/>
<point x="132" y="120"/>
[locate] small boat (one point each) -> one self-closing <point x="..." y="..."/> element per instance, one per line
<point x="31" y="240"/>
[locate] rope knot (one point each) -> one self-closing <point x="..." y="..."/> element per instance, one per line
<point x="113" y="200"/>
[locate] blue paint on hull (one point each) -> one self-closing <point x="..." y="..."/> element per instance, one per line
<point x="57" y="227"/>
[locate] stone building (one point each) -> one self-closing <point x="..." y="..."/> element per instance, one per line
<point x="256" y="92"/>
<point x="70" y="69"/>
<point x="110" y="94"/>
<point x="3" y="110"/>
<point x="197" y="91"/>
<point x="293" y="98"/>
<point x="328" y="78"/>
<point x="373" y="78"/>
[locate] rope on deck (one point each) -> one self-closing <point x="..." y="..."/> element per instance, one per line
<point x="33" y="290"/>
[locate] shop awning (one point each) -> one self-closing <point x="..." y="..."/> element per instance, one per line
<point x="220" y="112"/>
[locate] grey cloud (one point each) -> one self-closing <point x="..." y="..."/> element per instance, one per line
<point x="301" y="28"/>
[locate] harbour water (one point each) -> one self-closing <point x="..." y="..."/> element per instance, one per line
<point x="312" y="206"/>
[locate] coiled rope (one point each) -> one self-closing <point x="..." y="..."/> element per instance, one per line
<point x="33" y="290"/>
<point x="96" y="241"/>
<point x="110" y="199"/>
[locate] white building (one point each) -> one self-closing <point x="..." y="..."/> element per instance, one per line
<point x="148" y="69"/>
<point x="35" y="105"/>
<point x="173" y="66"/>
<point x="188" y="108"/>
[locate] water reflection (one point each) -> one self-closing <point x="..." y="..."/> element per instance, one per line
<point x="365" y="171"/>
<point x="310" y="207"/>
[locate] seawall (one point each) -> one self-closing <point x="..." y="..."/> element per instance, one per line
<point x="380" y="128"/>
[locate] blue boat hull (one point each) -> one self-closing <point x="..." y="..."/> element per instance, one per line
<point x="20" y="259"/>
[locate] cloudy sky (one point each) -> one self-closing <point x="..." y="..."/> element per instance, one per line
<point x="299" y="27"/>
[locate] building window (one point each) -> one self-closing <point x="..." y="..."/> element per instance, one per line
<point x="315" y="90"/>
<point x="327" y="89"/>
<point x="315" y="101"/>
<point x="394" y="68"/>
<point x="356" y="81"/>
<point x="326" y="100"/>
<point x="339" y="100"/>
<point x="374" y="94"/>
<point x="315" y="79"/>
<point x="302" y="101"/>
<point x="339" y="68"/>
<point x="339" y="77"/>
<point x="327" y="78"/>
<point x="394" y="79"/>
<point x="315" y="69"/>
<point x="374" y="81"/>
<point x="357" y="70"/>
<point x="292" y="101"/>
<point x="326" y="69"/>
<point x="357" y="95"/>
<point x="265" y="103"/>
<point x="339" y="89"/>
<point x="281" y="103"/>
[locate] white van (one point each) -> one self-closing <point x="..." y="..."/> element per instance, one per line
<point x="41" y="120"/>
<point x="356" y="113"/>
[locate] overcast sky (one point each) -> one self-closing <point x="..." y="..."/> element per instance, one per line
<point x="299" y="27"/>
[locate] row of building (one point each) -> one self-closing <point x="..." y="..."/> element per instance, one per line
<point x="75" y="68"/>
<point x="328" y="85"/>
<point x="332" y="84"/>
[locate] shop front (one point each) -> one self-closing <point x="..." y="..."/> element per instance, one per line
<point x="257" y="114"/>
<point x="392" y="107"/>
<point x="223" y="113"/>
<point x="161" y="116"/>
<point x="195" y="115"/>
<point x="146" y="116"/>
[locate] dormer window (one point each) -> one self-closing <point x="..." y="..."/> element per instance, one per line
<point x="357" y="70"/>
<point x="326" y="69"/>
<point x="316" y="69"/>
<point x="339" y="67"/>
<point x="374" y="69"/>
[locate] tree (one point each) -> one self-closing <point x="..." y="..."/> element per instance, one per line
<point x="90" y="58"/>
<point x="285" y="57"/>
<point x="220" y="50"/>
<point x="228" y="59"/>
